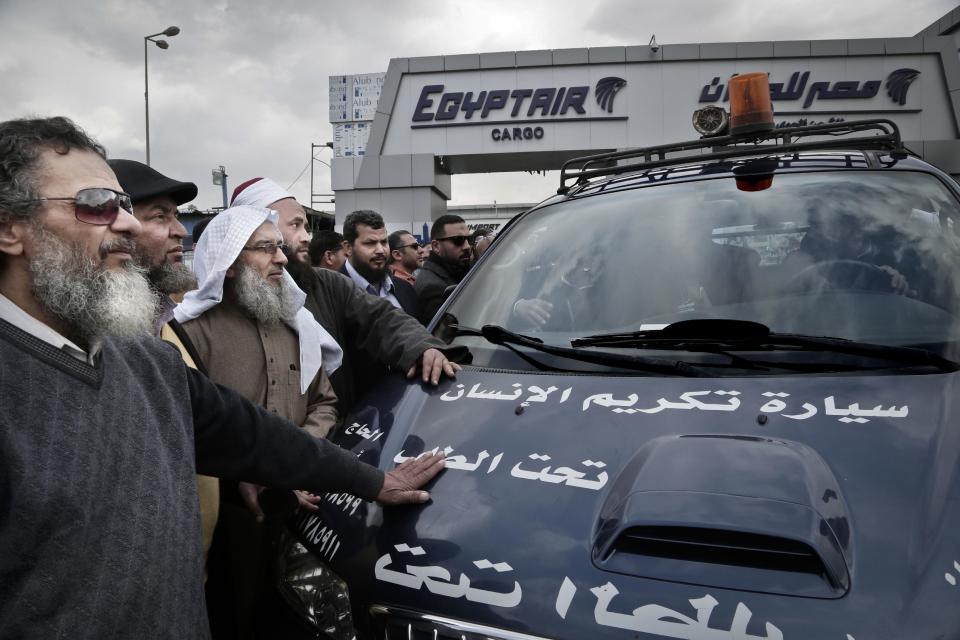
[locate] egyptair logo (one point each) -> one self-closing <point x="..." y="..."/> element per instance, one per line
<point x="606" y="90"/>
<point x="898" y="82"/>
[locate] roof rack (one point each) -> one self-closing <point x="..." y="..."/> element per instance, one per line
<point x="785" y="140"/>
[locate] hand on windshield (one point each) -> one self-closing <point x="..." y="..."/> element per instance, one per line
<point x="400" y="486"/>
<point x="432" y="364"/>
<point x="898" y="282"/>
<point x="534" y="311"/>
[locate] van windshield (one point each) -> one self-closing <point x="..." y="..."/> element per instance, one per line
<point x="865" y="256"/>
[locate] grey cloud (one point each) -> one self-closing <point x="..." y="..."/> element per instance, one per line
<point x="693" y="21"/>
<point x="245" y="83"/>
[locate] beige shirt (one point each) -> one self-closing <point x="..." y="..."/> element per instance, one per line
<point x="262" y="364"/>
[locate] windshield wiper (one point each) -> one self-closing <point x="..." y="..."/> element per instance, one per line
<point x="504" y="337"/>
<point x="720" y="336"/>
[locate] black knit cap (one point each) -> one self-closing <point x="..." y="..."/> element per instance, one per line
<point x="143" y="182"/>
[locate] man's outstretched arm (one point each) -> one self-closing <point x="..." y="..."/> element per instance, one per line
<point x="238" y="440"/>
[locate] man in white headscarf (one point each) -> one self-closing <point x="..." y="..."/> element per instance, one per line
<point x="249" y="327"/>
<point x="376" y="336"/>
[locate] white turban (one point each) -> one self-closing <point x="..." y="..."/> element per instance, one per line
<point x="217" y="250"/>
<point x="261" y="192"/>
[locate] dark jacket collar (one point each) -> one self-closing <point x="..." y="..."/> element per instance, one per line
<point x="436" y="266"/>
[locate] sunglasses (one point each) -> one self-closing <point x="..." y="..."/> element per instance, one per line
<point x="456" y="240"/>
<point x="269" y="248"/>
<point x="96" y="206"/>
<point x="415" y="245"/>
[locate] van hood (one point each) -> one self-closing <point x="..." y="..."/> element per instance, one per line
<point x="583" y="506"/>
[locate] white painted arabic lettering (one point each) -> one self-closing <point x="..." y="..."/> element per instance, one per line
<point x="862" y="415"/>
<point x="775" y="402"/>
<point x="325" y="541"/>
<point x="949" y="577"/>
<point x="363" y="431"/>
<point x="560" y="475"/>
<point x="566" y="475"/>
<point x="536" y="394"/>
<point x="345" y="501"/>
<point x="662" y="621"/>
<point x="439" y="581"/>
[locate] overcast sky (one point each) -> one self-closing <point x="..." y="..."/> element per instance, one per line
<point x="245" y="82"/>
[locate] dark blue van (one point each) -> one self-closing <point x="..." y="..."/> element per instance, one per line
<point x="709" y="395"/>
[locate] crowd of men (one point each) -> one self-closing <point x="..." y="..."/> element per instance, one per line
<point x="154" y="416"/>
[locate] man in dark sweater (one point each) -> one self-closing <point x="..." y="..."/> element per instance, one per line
<point x="103" y="427"/>
<point x="448" y="263"/>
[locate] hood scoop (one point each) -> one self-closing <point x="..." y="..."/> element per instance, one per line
<point x="736" y="512"/>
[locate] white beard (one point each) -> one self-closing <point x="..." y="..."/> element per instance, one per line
<point x="93" y="300"/>
<point x="264" y="301"/>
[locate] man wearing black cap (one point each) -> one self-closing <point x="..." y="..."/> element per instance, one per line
<point x="159" y="250"/>
<point x="160" y="244"/>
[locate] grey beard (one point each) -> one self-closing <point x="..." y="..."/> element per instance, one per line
<point x="93" y="300"/>
<point x="266" y="303"/>
<point x="172" y="278"/>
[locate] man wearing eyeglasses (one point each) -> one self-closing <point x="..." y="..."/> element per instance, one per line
<point x="447" y="265"/>
<point x="374" y="333"/>
<point x="103" y="426"/>
<point x="247" y="323"/>
<point x="405" y="257"/>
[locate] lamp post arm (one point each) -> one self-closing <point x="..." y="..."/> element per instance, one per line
<point x="146" y="97"/>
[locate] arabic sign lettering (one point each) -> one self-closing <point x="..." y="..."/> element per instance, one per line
<point x="799" y="87"/>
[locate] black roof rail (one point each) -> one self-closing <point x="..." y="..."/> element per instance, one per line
<point x="785" y="140"/>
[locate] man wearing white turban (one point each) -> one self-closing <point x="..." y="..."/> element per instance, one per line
<point x="248" y="326"/>
<point x="375" y="335"/>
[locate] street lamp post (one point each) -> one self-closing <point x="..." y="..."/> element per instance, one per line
<point x="163" y="44"/>
<point x="313" y="158"/>
<point x="220" y="179"/>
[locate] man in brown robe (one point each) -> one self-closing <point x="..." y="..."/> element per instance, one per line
<point x="251" y="341"/>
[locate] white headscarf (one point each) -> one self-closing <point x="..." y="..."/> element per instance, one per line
<point x="261" y="193"/>
<point x="217" y="250"/>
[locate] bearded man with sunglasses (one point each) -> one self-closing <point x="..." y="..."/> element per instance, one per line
<point x="447" y="265"/>
<point x="103" y="427"/>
